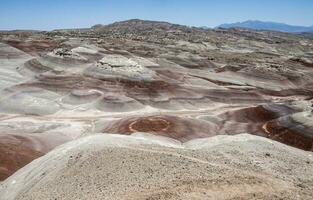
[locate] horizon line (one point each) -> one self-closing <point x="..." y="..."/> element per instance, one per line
<point x="151" y="20"/>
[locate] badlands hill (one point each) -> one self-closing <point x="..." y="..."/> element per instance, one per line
<point x="75" y="88"/>
<point x="149" y="167"/>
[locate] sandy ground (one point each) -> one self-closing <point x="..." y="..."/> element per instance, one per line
<point x="143" y="166"/>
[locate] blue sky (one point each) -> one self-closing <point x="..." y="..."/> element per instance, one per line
<point x="53" y="14"/>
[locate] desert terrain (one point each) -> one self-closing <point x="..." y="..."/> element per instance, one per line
<point x="152" y="110"/>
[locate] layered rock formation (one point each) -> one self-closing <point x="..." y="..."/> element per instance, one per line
<point x="136" y="76"/>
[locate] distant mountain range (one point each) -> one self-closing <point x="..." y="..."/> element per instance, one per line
<point x="272" y="26"/>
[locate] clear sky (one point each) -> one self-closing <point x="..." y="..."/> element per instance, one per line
<point x="53" y="14"/>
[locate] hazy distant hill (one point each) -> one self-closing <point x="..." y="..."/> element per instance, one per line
<point x="273" y="26"/>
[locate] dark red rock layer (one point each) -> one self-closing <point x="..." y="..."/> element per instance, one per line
<point x="15" y="153"/>
<point x="179" y="128"/>
<point x="275" y="131"/>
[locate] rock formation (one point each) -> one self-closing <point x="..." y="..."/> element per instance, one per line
<point x="179" y="82"/>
